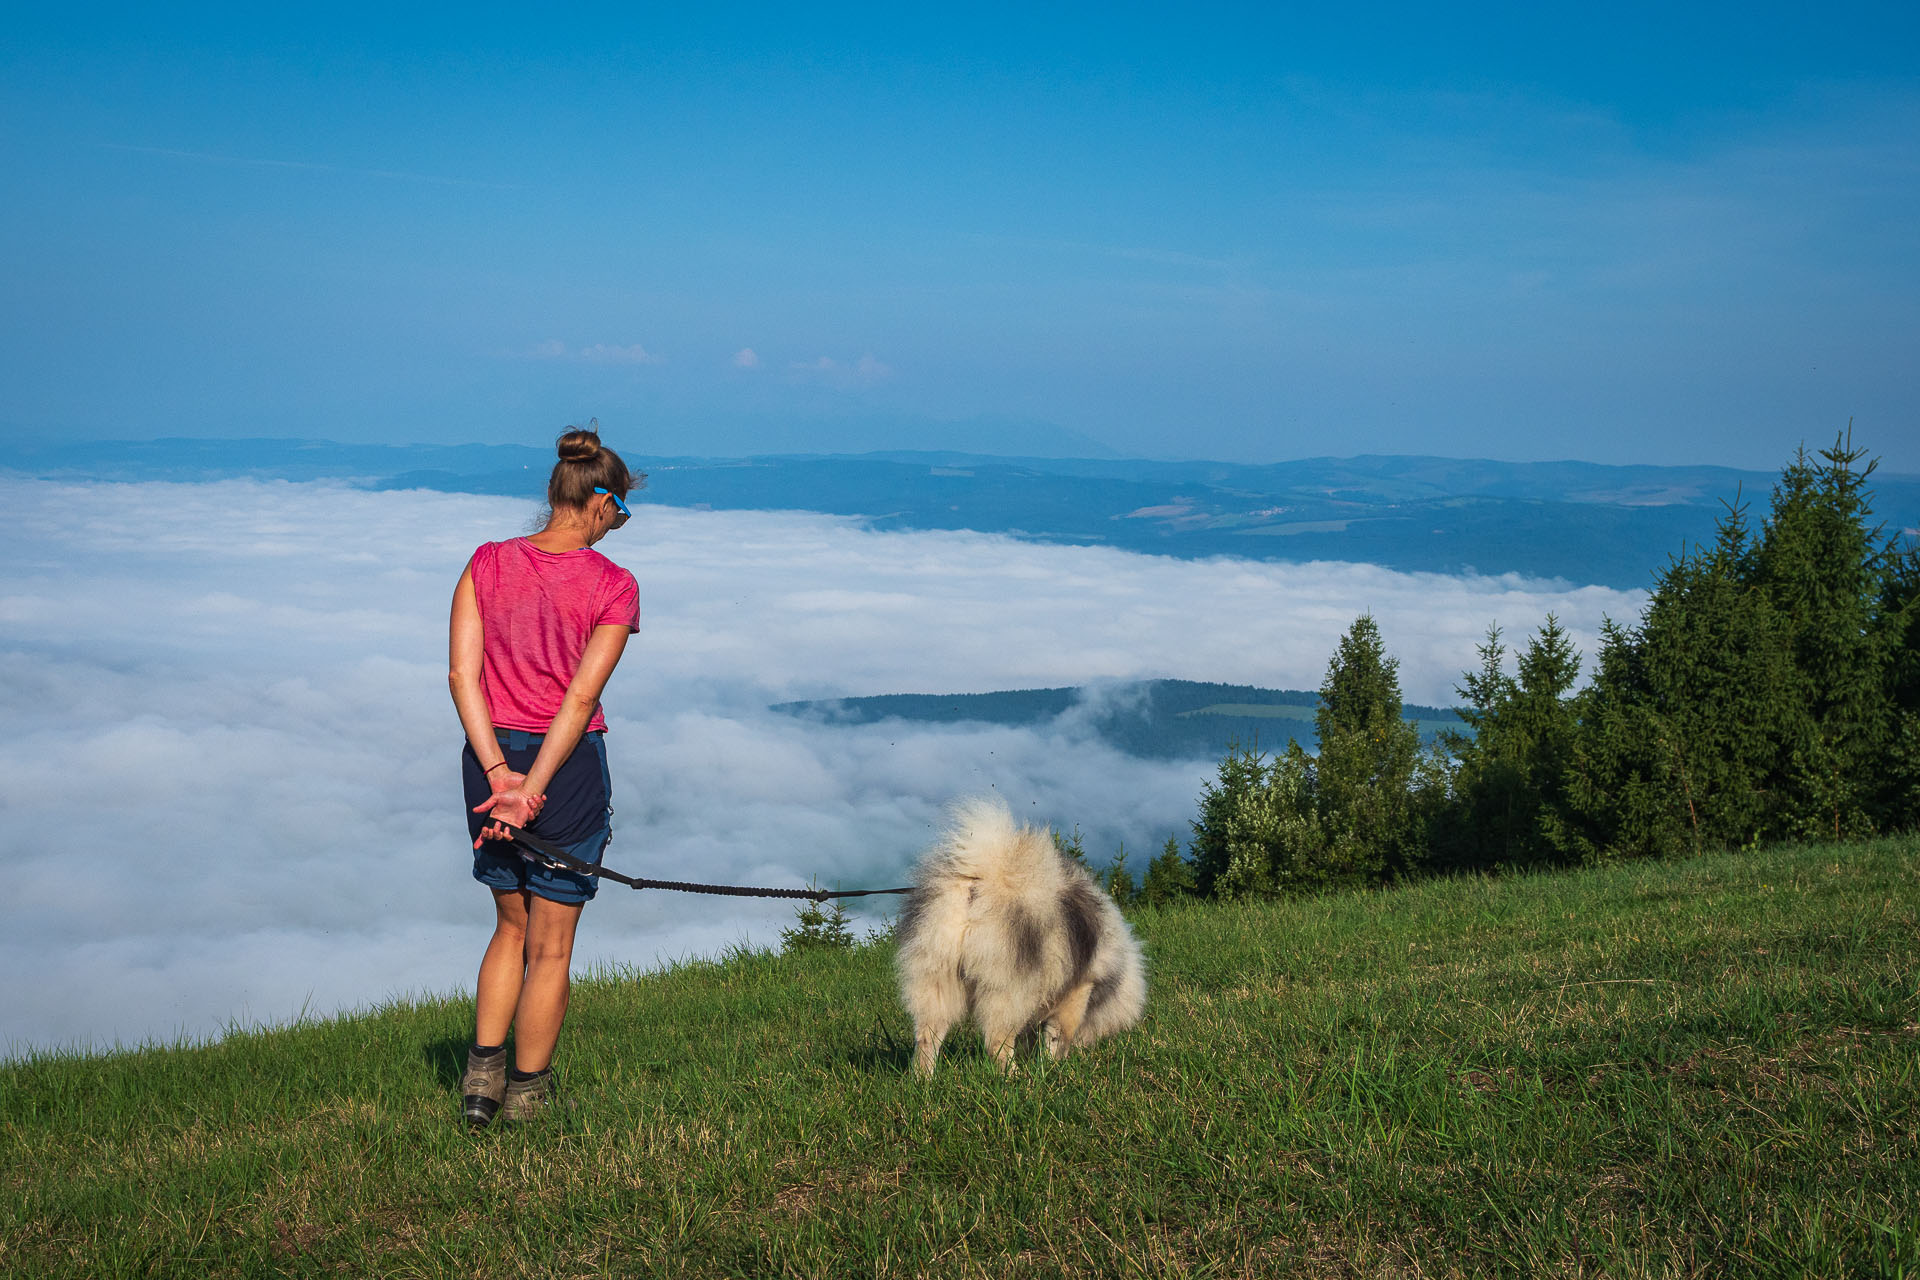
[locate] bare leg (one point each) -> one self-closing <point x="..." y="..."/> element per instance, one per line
<point x="1064" y="1023"/>
<point x="498" y="993"/>
<point x="544" y="993"/>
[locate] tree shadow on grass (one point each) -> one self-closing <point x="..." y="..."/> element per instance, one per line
<point x="446" y="1057"/>
<point x="885" y="1050"/>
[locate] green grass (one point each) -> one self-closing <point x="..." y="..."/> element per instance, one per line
<point x="1706" y="1068"/>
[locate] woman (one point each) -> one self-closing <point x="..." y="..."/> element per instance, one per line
<point x="538" y="625"/>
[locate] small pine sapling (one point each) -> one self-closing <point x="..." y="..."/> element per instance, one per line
<point x="818" y="925"/>
<point x="1072" y="846"/>
<point x="1119" y="880"/>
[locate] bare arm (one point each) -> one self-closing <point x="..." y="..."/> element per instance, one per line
<point x="577" y="705"/>
<point x="581" y="700"/>
<point x="465" y="655"/>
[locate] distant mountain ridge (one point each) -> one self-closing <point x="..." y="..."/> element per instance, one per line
<point x="1578" y="521"/>
<point x="1156" y="719"/>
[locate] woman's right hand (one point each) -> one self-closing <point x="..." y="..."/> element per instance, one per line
<point x="510" y="804"/>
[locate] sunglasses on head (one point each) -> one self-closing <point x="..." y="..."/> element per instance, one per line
<point x="618" y="505"/>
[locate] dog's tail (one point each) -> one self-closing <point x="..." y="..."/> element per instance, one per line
<point x="1007" y="860"/>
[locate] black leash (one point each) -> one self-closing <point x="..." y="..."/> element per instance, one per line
<point x="561" y="858"/>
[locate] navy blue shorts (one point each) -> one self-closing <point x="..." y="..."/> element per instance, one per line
<point x="578" y="816"/>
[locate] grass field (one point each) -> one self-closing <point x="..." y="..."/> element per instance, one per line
<point x="1707" y="1068"/>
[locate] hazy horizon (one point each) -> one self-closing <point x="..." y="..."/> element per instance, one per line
<point x="14" y="436"/>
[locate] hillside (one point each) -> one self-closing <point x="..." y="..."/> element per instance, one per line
<point x="1157" y="719"/>
<point x="1703" y="1068"/>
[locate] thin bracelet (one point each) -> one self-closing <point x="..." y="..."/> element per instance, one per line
<point x="492" y="767"/>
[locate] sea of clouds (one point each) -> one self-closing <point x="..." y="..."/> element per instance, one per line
<point x="229" y="786"/>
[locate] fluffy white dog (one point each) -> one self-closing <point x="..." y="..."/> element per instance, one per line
<point x="1003" y="926"/>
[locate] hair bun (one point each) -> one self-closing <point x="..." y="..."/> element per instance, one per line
<point x="580" y="444"/>
<point x="587" y="468"/>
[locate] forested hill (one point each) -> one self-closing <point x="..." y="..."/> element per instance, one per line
<point x="1161" y="719"/>
<point x="1574" y="520"/>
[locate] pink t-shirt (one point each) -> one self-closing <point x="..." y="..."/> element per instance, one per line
<point x="537" y="609"/>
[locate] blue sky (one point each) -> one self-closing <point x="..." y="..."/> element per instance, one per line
<point x="1627" y="234"/>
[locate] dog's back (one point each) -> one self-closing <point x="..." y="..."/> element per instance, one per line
<point x="1003" y="926"/>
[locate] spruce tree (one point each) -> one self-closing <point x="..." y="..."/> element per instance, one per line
<point x="1277" y="842"/>
<point x="1169" y="877"/>
<point x="1368" y="760"/>
<point x="1688" y="714"/>
<point x="1761" y="695"/>
<point x="1476" y="828"/>
<point x="1352" y="815"/>
<point x="1260" y="834"/>
<point x="1510" y="776"/>
<point x="1825" y="571"/>
<point x="1242" y="773"/>
<point x="1898" y="799"/>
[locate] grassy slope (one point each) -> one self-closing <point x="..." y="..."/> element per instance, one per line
<point x="1704" y="1068"/>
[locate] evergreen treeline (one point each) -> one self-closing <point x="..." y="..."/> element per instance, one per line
<point x="1770" y="691"/>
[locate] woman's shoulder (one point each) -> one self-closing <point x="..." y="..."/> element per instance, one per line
<point x="511" y="557"/>
<point x="606" y="568"/>
<point x="616" y="595"/>
<point x="488" y="551"/>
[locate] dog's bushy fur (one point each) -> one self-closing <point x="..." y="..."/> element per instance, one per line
<point x="1003" y="926"/>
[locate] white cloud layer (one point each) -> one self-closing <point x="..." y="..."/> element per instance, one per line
<point x="230" y="773"/>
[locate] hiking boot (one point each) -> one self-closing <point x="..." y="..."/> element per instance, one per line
<point x="483" y="1087"/>
<point x="528" y="1098"/>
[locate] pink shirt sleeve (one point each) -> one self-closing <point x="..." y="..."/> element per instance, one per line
<point x="621" y="605"/>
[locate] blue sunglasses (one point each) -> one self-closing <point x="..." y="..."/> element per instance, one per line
<point x="624" y="515"/>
